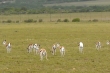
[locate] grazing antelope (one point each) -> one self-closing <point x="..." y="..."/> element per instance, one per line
<point x="36" y="48"/>
<point x="43" y="54"/>
<point x="62" y="50"/>
<point x="8" y="47"/>
<point x="29" y="48"/>
<point x="4" y="42"/>
<point x="98" y="45"/>
<point x="81" y="47"/>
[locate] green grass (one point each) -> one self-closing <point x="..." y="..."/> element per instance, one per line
<point x="46" y="34"/>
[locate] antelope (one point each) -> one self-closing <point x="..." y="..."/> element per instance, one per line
<point x="108" y="43"/>
<point x="81" y="47"/>
<point x="54" y="47"/>
<point x="62" y="51"/>
<point x="98" y="45"/>
<point x="29" y="48"/>
<point x="57" y="45"/>
<point x="4" y="42"/>
<point x="36" y="48"/>
<point x="43" y="54"/>
<point x="8" y="47"/>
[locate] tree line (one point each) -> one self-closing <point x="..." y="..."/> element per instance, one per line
<point x="36" y="7"/>
<point x="54" y="9"/>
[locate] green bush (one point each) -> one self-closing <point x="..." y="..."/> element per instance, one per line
<point x="29" y="20"/>
<point x="59" y="20"/>
<point x="65" y="20"/>
<point x="17" y="21"/>
<point x="8" y="21"/>
<point x="76" y="20"/>
<point x="95" y="20"/>
<point x="3" y="21"/>
<point x="40" y="20"/>
<point x="35" y="21"/>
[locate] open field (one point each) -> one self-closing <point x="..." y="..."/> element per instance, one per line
<point x="48" y="33"/>
<point x="83" y="3"/>
<point x="89" y="16"/>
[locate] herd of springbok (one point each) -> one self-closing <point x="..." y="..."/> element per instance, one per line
<point x="43" y="53"/>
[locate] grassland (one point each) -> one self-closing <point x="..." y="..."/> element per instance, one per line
<point x="48" y="33"/>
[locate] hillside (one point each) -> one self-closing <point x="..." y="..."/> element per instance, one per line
<point x="53" y="6"/>
<point x="82" y="3"/>
<point x="40" y="3"/>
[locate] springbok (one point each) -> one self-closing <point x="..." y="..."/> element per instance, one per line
<point x="43" y="53"/>
<point x="81" y="47"/>
<point x="29" y="48"/>
<point x="98" y="45"/>
<point x="4" y="42"/>
<point x="36" y="48"/>
<point x="8" y="47"/>
<point x="108" y="42"/>
<point x="57" y="45"/>
<point x="62" y="51"/>
<point x="54" y="47"/>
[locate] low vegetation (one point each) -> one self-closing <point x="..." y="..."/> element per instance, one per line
<point x="76" y="20"/>
<point x="59" y="17"/>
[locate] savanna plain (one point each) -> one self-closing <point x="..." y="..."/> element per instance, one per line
<point x="68" y="34"/>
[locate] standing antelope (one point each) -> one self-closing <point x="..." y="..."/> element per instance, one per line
<point x="36" y="48"/>
<point x="81" y="47"/>
<point x="29" y="48"/>
<point x="108" y="43"/>
<point x="4" y="42"/>
<point x="57" y="45"/>
<point x="62" y="50"/>
<point x="98" y="45"/>
<point x="43" y="54"/>
<point x="54" y="47"/>
<point x="8" y="47"/>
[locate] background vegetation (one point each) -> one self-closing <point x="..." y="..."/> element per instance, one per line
<point x="54" y="6"/>
<point x="58" y="17"/>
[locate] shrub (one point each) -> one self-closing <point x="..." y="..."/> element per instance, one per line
<point x="40" y="20"/>
<point x="8" y="21"/>
<point x="17" y="21"/>
<point x="59" y="20"/>
<point x="95" y="20"/>
<point x="89" y="20"/>
<point x="3" y="21"/>
<point x="35" y="21"/>
<point x="76" y="20"/>
<point x="28" y="21"/>
<point x="66" y="20"/>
